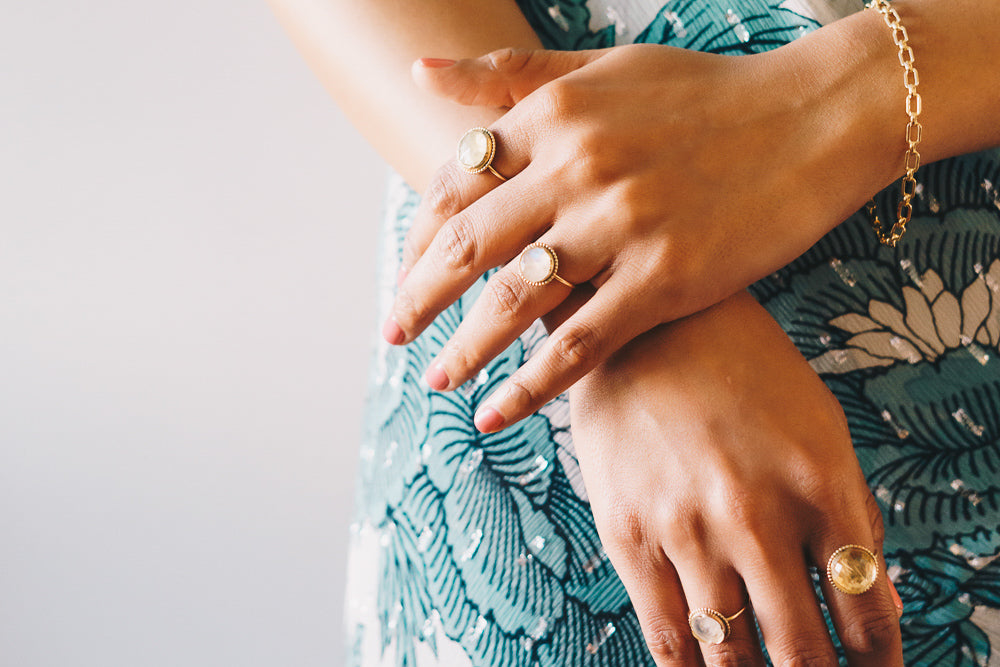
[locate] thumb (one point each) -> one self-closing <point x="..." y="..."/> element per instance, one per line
<point x="499" y="79"/>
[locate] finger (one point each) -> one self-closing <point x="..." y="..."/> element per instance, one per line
<point x="602" y="325"/>
<point x="500" y="78"/>
<point x="730" y="637"/>
<point x="469" y="244"/>
<point x="658" y="600"/>
<point x="867" y="623"/>
<point x="507" y="306"/>
<point x="453" y="189"/>
<point x="579" y="296"/>
<point x="786" y="606"/>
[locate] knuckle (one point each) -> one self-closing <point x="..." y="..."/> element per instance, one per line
<point x="458" y="245"/>
<point x="870" y="631"/>
<point x="508" y="60"/>
<point x="810" y="657"/>
<point x="668" y="644"/>
<point x="407" y="311"/>
<point x="745" y="510"/>
<point x="577" y="346"/>
<point x="623" y="525"/>
<point x="507" y="294"/>
<point x="521" y="394"/>
<point x="684" y="531"/>
<point x="461" y="362"/>
<point x="732" y="653"/>
<point x="443" y="197"/>
<point x="561" y="99"/>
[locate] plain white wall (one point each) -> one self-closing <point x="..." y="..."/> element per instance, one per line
<point x="187" y="235"/>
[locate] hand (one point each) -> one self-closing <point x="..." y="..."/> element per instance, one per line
<point x="660" y="176"/>
<point x="719" y="468"/>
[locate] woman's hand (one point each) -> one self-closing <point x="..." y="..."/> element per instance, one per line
<point x="719" y="469"/>
<point x="668" y="179"/>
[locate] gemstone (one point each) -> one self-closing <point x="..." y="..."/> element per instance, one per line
<point x="475" y="149"/>
<point x="538" y="264"/>
<point x="706" y="627"/>
<point x="852" y="569"/>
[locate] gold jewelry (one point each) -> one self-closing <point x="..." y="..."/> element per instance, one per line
<point x="911" y="160"/>
<point x="852" y="569"/>
<point x="476" y="150"/>
<point x="538" y="264"/>
<point x="709" y="626"/>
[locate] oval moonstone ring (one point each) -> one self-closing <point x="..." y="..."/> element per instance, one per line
<point x="852" y="569"/>
<point x="538" y="265"/>
<point x="709" y="626"/>
<point x="476" y="150"/>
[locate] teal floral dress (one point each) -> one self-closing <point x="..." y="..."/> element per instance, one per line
<point x="480" y="550"/>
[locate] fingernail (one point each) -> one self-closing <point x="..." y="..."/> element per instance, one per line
<point x="895" y="598"/>
<point x="488" y="420"/>
<point x="436" y="62"/>
<point x="401" y="276"/>
<point x="392" y="333"/>
<point x="436" y="377"/>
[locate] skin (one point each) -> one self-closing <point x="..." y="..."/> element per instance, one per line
<point x="585" y="178"/>
<point x="682" y="460"/>
<point x="703" y="476"/>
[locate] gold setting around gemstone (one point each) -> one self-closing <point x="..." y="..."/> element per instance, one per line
<point x="709" y="626"/>
<point x="538" y="264"/>
<point x="476" y="150"/>
<point x="852" y="569"/>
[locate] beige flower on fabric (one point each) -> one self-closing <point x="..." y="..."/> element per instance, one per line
<point x="933" y="321"/>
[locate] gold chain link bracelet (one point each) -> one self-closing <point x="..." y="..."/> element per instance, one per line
<point x="911" y="161"/>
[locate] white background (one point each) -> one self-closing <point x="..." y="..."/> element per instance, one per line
<point x="187" y="231"/>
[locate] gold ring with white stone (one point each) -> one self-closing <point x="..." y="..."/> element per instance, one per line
<point x="538" y="265"/>
<point x="852" y="569"/>
<point x="476" y="150"/>
<point x="709" y="626"/>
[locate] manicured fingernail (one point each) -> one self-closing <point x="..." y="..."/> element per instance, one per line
<point x="488" y="420"/>
<point x="392" y="333"/>
<point x="436" y="377"/>
<point x="436" y="62"/>
<point x="401" y="276"/>
<point x="895" y="598"/>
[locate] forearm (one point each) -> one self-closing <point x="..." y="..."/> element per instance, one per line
<point x="851" y="70"/>
<point x="363" y="51"/>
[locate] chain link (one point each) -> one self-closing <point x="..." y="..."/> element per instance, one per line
<point x="914" y="130"/>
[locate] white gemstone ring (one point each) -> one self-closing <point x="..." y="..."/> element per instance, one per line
<point x="709" y="626"/>
<point x="476" y="150"/>
<point x="538" y="265"/>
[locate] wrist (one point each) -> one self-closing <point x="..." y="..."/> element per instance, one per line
<point x="848" y="85"/>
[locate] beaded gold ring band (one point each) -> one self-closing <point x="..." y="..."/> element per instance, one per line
<point x="538" y="265"/>
<point x="852" y="569"/>
<point x="711" y="627"/>
<point x="476" y="150"/>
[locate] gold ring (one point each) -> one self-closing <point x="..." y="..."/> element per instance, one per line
<point x="476" y="150"/>
<point x="709" y="626"/>
<point x="538" y="265"/>
<point x="852" y="569"/>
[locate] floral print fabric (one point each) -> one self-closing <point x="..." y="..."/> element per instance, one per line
<point x="476" y="550"/>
